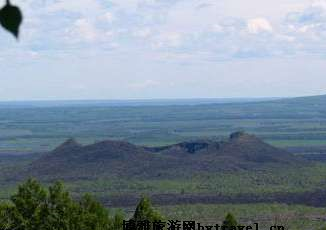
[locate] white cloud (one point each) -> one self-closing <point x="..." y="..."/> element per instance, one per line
<point x="168" y="39"/>
<point x="142" y="32"/>
<point x="308" y="26"/>
<point x="202" y="29"/>
<point x="84" y="29"/>
<point x="84" y="7"/>
<point x="285" y="38"/>
<point x="217" y="28"/>
<point x="108" y="16"/>
<point x="319" y="3"/>
<point x="258" y="25"/>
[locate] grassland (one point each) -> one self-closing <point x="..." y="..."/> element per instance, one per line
<point x="292" y="122"/>
<point x="292" y="217"/>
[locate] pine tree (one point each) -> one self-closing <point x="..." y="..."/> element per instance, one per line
<point x="95" y="216"/>
<point x="60" y="209"/>
<point x="230" y="221"/>
<point x="30" y="206"/>
<point x="117" y="222"/>
<point x="145" y="212"/>
<point x="5" y="217"/>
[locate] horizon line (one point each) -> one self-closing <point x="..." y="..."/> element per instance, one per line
<point x="9" y="101"/>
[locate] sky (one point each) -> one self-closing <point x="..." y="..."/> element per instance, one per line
<point x="147" y="49"/>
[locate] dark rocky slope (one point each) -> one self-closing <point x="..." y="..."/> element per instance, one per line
<point x="118" y="158"/>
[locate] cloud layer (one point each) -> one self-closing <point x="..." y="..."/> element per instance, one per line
<point x="163" y="34"/>
<point x="216" y="29"/>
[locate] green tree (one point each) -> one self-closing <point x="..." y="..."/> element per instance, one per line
<point x="60" y="209"/>
<point x="30" y="206"/>
<point x="5" y="220"/>
<point x="230" y="221"/>
<point x="145" y="212"/>
<point x="34" y="208"/>
<point x="117" y="222"/>
<point x="94" y="215"/>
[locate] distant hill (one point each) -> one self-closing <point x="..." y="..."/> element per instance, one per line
<point x="123" y="103"/>
<point x="308" y="100"/>
<point x="72" y="161"/>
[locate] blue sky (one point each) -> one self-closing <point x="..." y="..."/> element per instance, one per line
<point x="132" y="49"/>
